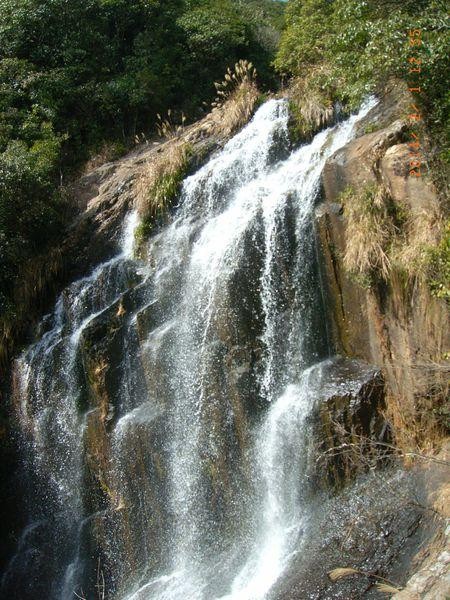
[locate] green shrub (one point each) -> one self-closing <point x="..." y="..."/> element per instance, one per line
<point x="143" y="230"/>
<point x="84" y="78"/>
<point x="31" y="211"/>
<point x="439" y="266"/>
<point x="360" y="44"/>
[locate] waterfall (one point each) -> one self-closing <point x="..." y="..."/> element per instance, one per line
<point x="164" y="408"/>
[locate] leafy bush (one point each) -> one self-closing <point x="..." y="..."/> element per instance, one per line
<point x="31" y="213"/>
<point x="439" y="266"/>
<point x="85" y="77"/>
<point x="349" y="47"/>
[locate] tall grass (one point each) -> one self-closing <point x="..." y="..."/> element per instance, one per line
<point x="385" y="239"/>
<point x="370" y="230"/>
<point x="236" y="98"/>
<point x="311" y="105"/>
<point x="159" y="185"/>
<point x="159" y="181"/>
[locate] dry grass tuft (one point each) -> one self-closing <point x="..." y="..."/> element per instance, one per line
<point x="382" y="584"/>
<point x="419" y="410"/>
<point x="236" y="98"/>
<point x="422" y="231"/>
<point x="167" y="128"/>
<point x="311" y="107"/>
<point x="405" y="246"/>
<point x="385" y="588"/>
<point x="161" y="178"/>
<point x="370" y="230"/>
<point x="386" y="240"/>
<point x="159" y="184"/>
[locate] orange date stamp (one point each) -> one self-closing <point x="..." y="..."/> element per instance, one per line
<point x="415" y="116"/>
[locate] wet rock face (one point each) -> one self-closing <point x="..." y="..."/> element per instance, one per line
<point x="349" y="421"/>
<point x="105" y="194"/>
<point x="346" y="302"/>
<point x="126" y="457"/>
<point x="374" y="525"/>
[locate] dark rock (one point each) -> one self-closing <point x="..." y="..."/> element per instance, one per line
<point x="348" y="421"/>
<point x="117" y="483"/>
<point x="374" y="526"/>
<point x="336" y="208"/>
<point x="349" y="326"/>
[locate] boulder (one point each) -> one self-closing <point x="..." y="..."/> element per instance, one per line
<point x="349" y="427"/>
<point x="395" y="103"/>
<point x="373" y="526"/>
<point x="416" y="194"/>
<point x="356" y="163"/>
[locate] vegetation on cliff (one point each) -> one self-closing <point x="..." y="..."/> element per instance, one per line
<point x="386" y="237"/>
<point x="88" y="76"/>
<point x="97" y="89"/>
<point x="396" y="249"/>
<point x="342" y="50"/>
<point x="160" y="180"/>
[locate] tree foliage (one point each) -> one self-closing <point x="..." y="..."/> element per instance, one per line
<point x="76" y="74"/>
<point x="361" y="43"/>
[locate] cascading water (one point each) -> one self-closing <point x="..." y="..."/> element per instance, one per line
<point x="163" y="410"/>
<point x="50" y="397"/>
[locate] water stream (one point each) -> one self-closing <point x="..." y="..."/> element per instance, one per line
<point x="164" y="408"/>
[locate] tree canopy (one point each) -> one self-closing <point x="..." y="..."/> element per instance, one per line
<point x="351" y="46"/>
<point x="76" y="74"/>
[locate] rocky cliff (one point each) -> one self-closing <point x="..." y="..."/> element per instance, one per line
<point x="386" y="391"/>
<point x="376" y="225"/>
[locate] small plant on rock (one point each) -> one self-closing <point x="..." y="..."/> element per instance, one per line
<point x="160" y="184"/>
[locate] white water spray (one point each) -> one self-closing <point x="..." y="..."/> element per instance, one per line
<point x="202" y="501"/>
